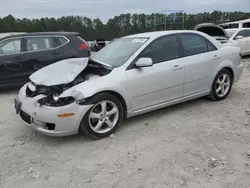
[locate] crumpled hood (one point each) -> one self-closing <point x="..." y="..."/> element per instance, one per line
<point x="61" y="72"/>
<point x="211" y="29"/>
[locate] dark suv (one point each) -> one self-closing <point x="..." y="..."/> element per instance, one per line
<point x="21" y="55"/>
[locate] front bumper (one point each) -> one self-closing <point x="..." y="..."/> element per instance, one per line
<point x="42" y="118"/>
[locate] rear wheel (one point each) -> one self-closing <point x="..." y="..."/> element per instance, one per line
<point x="104" y="117"/>
<point x="222" y="85"/>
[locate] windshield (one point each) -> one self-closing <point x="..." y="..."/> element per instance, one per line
<point x="230" y="33"/>
<point x="119" y="51"/>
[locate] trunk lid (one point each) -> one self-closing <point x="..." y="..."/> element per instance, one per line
<point x="213" y="30"/>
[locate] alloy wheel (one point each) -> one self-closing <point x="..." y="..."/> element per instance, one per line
<point x="222" y="85"/>
<point x="103" y="117"/>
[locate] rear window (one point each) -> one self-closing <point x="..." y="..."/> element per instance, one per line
<point x="232" y="26"/>
<point x="39" y="43"/>
<point x="62" y="40"/>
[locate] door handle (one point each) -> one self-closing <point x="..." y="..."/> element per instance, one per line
<point x="216" y="57"/>
<point x="177" y="67"/>
<point x="54" y="53"/>
<point x="17" y="58"/>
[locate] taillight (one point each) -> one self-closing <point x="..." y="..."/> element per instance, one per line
<point x="83" y="46"/>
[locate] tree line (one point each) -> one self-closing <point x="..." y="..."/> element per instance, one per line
<point x="118" y="26"/>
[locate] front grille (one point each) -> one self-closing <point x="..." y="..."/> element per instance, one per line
<point x="25" y="117"/>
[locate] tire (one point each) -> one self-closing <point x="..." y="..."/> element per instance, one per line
<point x="95" y="116"/>
<point x="217" y="83"/>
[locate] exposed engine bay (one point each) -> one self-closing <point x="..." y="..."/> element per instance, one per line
<point x="93" y="70"/>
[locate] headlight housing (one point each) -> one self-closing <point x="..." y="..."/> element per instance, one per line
<point x="55" y="101"/>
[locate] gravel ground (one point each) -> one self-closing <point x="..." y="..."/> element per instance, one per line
<point x="195" y="144"/>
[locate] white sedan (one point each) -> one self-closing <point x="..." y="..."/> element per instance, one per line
<point x="241" y="37"/>
<point x="131" y="76"/>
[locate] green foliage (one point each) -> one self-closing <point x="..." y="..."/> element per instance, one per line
<point x="124" y="24"/>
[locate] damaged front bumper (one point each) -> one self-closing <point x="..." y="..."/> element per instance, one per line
<point x="51" y="121"/>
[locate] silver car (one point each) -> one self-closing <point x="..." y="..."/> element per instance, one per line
<point x="131" y="76"/>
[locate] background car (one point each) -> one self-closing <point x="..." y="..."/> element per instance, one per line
<point x="132" y="75"/>
<point x="23" y="54"/>
<point x="213" y="30"/>
<point x="241" y="37"/>
<point x="238" y="37"/>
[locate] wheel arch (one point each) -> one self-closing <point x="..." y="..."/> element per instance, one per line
<point x="230" y="70"/>
<point x="119" y="96"/>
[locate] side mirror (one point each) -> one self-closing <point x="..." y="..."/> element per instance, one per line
<point x="144" y="62"/>
<point x="239" y="37"/>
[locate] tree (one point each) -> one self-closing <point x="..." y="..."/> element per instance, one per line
<point x="118" y="26"/>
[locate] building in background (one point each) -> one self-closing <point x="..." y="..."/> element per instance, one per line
<point x="166" y="20"/>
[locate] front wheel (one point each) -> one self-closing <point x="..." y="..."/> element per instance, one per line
<point x="222" y="85"/>
<point x="104" y="117"/>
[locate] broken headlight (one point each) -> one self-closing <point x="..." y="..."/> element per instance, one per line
<point x="55" y="101"/>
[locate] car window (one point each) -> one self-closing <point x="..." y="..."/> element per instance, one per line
<point x="119" y="51"/>
<point x="193" y="44"/>
<point x="10" y="46"/>
<point x="39" y="43"/>
<point x="62" y="40"/>
<point x="232" y="26"/>
<point x="210" y="46"/>
<point x="241" y="33"/>
<point x="163" y="49"/>
<point x="248" y="33"/>
<point x="247" y="24"/>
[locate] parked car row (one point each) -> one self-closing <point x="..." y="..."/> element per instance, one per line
<point x="23" y="54"/>
<point x="130" y="76"/>
<point x="239" y="37"/>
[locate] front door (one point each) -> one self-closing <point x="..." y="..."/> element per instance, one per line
<point x="161" y="82"/>
<point x="41" y="51"/>
<point x="12" y="62"/>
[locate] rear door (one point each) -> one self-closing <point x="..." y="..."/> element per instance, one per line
<point x="40" y="52"/>
<point x="201" y="59"/>
<point x="12" y="62"/>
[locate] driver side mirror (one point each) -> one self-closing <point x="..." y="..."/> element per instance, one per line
<point x="239" y="37"/>
<point x="144" y="62"/>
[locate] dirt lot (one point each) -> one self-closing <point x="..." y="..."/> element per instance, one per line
<point x="195" y="144"/>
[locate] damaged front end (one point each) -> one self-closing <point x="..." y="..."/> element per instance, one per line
<point x="50" y="94"/>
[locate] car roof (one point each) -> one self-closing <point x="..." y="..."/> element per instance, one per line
<point x="156" y="34"/>
<point x="238" y="29"/>
<point x="39" y="33"/>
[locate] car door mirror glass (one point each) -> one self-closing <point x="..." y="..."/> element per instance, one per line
<point x="239" y="37"/>
<point x="144" y="62"/>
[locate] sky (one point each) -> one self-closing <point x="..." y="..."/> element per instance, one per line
<point x="105" y="9"/>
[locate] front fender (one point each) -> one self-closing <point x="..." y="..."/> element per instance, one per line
<point x="92" y="87"/>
